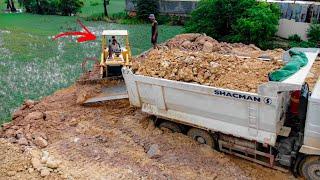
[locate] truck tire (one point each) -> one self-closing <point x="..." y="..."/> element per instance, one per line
<point x="173" y="127"/>
<point x="310" y="168"/>
<point x="201" y="136"/>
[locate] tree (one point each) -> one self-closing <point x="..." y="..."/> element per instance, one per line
<point x="313" y="32"/>
<point x="10" y="6"/>
<point x="258" y="25"/>
<point x="105" y="4"/>
<point x="216" y="17"/>
<point x="63" y="7"/>
<point x="247" y="21"/>
<point x="39" y="8"/>
<point x="20" y="2"/>
<point x="146" y="7"/>
<point x="69" y="7"/>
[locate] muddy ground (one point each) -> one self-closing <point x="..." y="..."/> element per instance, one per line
<point x="58" y="139"/>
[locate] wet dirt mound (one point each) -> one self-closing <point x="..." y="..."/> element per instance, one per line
<point x="314" y="74"/>
<point x="197" y="58"/>
<point x="56" y="138"/>
<point x="201" y="42"/>
<point x="211" y="69"/>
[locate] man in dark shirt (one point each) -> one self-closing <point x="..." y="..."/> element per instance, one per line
<point x="154" y="30"/>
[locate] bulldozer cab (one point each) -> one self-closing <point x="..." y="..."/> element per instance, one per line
<point x="116" y="52"/>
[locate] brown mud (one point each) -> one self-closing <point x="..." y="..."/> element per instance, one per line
<point x="58" y="139"/>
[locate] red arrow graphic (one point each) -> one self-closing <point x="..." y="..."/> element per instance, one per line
<point x="84" y="36"/>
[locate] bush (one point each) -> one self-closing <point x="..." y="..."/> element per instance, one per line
<point x="245" y="21"/>
<point x="123" y="18"/>
<point x="68" y="7"/>
<point x="119" y="15"/>
<point x="215" y="17"/>
<point x="96" y="17"/>
<point x="257" y="26"/>
<point x="94" y="3"/>
<point x="313" y="32"/>
<point x="295" y="41"/>
<point x="313" y="35"/>
<point x="129" y="20"/>
<point x="295" y="38"/>
<point x="63" y="7"/>
<point x="171" y="20"/>
<point x="44" y="6"/>
<point x="303" y="44"/>
<point x="146" y="7"/>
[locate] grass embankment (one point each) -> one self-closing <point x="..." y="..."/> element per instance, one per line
<point x="33" y="66"/>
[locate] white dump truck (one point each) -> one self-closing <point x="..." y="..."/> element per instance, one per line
<point x="256" y="126"/>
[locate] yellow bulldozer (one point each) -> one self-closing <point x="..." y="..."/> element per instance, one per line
<point x="116" y="53"/>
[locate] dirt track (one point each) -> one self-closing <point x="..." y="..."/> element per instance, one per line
<point x="109" y="141"/>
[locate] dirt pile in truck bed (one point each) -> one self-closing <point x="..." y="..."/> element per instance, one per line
<point x="58" y="139"/>
<point x="314" y="74"/>
<point x="200" y="59"/>
<point x="200" y="42"/>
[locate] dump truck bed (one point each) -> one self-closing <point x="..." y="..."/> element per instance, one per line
<point x="253" y="116"/>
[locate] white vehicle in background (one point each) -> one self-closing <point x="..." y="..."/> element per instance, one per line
<point x="272" y="127"/>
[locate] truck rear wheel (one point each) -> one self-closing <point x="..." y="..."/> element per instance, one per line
<point x="173" y="127"/>
<point x="201" y="136"/>
<point x="310" y="168"/>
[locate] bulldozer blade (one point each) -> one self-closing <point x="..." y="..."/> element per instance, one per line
<point x="98" y="80"/>
<point x="118" y="91"/>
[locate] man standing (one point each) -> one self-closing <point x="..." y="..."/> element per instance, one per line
<point x="154" y="30"/>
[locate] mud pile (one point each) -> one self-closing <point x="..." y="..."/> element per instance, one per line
<point x="200" y="59"/>
<point x="58" y="139"/>
<point x="200" y="42"/>
<point x="314" y="74"/>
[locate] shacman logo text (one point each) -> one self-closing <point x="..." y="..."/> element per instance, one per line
<point x="242" y="96"/>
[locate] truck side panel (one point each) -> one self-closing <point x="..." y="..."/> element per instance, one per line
<point x="241" y="114"/>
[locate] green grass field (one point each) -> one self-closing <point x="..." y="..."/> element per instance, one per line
<point x="33" y="66"/>
<point x="90" y="7"/>
<point x="96" y="6"/>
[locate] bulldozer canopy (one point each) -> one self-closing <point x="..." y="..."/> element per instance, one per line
<point x="115" y="33"/>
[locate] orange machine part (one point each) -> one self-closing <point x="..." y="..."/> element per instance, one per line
<point x="295" y="101"/>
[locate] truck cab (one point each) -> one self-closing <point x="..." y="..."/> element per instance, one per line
<point x="310" y="164"/>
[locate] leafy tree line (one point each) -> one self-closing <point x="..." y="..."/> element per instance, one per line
<point x="62" y="7"/>
<point x="247" y="21"/>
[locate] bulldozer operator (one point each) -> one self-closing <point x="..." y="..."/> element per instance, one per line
<point x="114" y="47"/>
